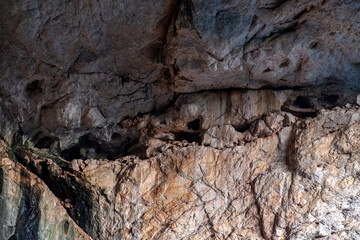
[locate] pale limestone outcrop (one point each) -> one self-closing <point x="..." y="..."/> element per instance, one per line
<point x="297" y="181"/>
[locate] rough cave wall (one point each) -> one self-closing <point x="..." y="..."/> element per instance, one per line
<point x="179" y="119"/>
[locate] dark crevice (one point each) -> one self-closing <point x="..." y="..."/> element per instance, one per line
<point x="33" y="88"/>
<point x="45" y="142"/>
<point x="267" y="70"/>
<point x="71" y="153"/>
<point x="194" y="125"/>
<point x="242" y="128"/>
<point x="188" y="136"/>
<point x="274" y="4"/>
<point x="303" y="102"/>
<point x="330" y="99"/>
<point x="264" y="87"/>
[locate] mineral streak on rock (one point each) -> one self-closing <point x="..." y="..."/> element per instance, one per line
<point x="186" y="119"/>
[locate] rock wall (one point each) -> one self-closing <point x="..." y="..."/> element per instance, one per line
<point x="284" y="177"/>
<point x="181" y="119"/>
<point x="72" y="67"/>
<point x="28" y="209"/>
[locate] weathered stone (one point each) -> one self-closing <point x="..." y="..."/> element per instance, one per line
<point x="78" y="66"/>
<point x="28" y="209"/>
<point x="223" y="136"/>
<point x="292" y="182"/>
<point x="257" y="43"/>
<point x="179" y="119"/>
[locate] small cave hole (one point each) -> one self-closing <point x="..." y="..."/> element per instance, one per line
<point x="303" y="102"/>
<point x="71" y="153"/>
<point x="194" y="125"/>
<point x="242" y="128"/>
<point x="33" y="88"/>
<point x="187" y="136"/>
<point x="331" y="99"/>
<point x="45" y="142"/>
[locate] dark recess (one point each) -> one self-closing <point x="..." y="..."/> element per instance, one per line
<point x="331" y="99"/>
<point x="86" y="148"/>
<point x="91" y="147"/>
<point x="303" y="102"/>
<point x="187" y="136"/>
<point x="33" y="88"/>
<point x="242" y="128"/>
<point x="194" y="125"/>
<point x="45" y="142"/>
<point x="71" y="153"/>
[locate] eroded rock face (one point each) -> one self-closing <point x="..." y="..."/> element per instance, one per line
<point x="285" y="178"/>
<point x="183" y="119"/>
<point x="256" y="43"/>
<point x="67" y="68"/>
<point x="28" y="209"/>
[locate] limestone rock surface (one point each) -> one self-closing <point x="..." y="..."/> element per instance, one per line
<point x="297" y="181"/>
<point x="28" y="209"/>
<point x="185" y="119"/>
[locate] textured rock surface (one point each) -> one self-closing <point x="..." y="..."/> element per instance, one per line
<point x="28" y="209"/>
<point x="255" y="43"/>
<point x="76" y="66"/>
<point x="286" y="178"/>
<point x="182" y="119"/>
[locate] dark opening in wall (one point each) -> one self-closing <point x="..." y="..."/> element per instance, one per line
<point x="33" y="88"/>
<point x="45" y="142"/>
<point x="331" y="99"/>
<point x="85" y="149"/>
<point x="302" y="107"/>
<point x="194" y="125"/>
<point x="242" y="128"/>
<point x="91" y="147"/>
<point x="71" y="153"/>
<point x="303" y="102"/>
<point x="187" y="136"/>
